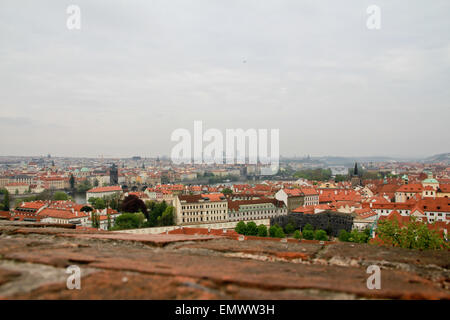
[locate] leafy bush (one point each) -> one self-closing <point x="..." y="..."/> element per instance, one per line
<point x="320" y="235"/>
<point x="343" y="235"/>
<point x="262" y="230"/>
<point x="308" y="227"/>
<point x="279" y="233"/>
<point x="252" y="229"/>
<point x="289" y="228"/>
<point x="276" y="231"/>
<point x="297" y="234"/>
<point x="129" y="221"/>
<point x="355" y="236"/>
<point x="241" y="227"/>
<point x="272" y="231"/>
<point x="308" y="234"/>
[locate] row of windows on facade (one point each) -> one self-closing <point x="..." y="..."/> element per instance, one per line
<point x="206" y="206"/>
<point x="204" y="212"/>
<point x="200" y="219"/>
<point x="234" y="214"/>
<point x="407" y="211"/>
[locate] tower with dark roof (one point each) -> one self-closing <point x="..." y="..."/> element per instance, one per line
<point x="356" y="179"/>
<point x="114" y="175"/>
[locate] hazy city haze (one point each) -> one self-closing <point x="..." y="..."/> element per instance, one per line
<point x="137" y="70"/>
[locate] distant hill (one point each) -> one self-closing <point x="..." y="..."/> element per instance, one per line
<point x="443" y="157"/>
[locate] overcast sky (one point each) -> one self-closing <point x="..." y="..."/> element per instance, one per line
<point x="137" y="70"/>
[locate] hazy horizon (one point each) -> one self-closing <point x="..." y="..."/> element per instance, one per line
<point x="136" y="71"/>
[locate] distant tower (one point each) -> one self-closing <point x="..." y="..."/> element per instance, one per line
<point x="114" y="174"/>
<point x="158" y="162"/>
<point x="356" y="180"/>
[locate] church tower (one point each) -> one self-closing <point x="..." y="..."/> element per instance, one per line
<point x="356" y="179"/>
<point x="114" y="175"/>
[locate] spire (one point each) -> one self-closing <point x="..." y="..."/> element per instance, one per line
<point x="355" y="171"/>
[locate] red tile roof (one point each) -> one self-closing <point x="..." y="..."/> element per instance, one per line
<point x="105" y="189"/>
<point x="410" y="188"/>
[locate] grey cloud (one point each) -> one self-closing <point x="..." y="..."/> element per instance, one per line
<point x="137" y="70"/>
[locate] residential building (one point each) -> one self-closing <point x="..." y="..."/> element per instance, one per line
<point x="264" y="208"/>
<point x="101" y="192"/>
<point x="292" y="198"/>
<point x="194" y="209"/>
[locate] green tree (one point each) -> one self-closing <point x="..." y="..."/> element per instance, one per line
<point x="340" y="178"/>
<point x="389" y="232"/>
<point x="415" y="235"/>
<point x="289" y="228"/>
<point x="272" y="231"/>
<point x="262" y="231"/>
<point x="167" y="217"/>
<point x="84" y="186"/>
<point x="95" y="220"/>
<point x="343" y="235"/>
<point x="276" y="231"/>
<point x="320" y="235"/>
<point x="129" y="221"/>
<point x="227" y="191"/>
<point x="308" y="234"/>
<point x="308" y="227"/>
<point x="97" y="203"/>
<point x="150" y="205"/>
<point x="72" y="182"/>
<point x="155" y="213"/>
<point x="279" y="233"/>
<point x="132" y="203"/>
<point x="109" y="221"/>
<point x="112" y="201"/>
<point x="86" y="209"/>
<point x="252" y="229"/>
<point x="297" y="234"/>
<point x="241" y="227"/>
<point x="6" y="200"/>
<point x="314" y="174"/>
<point x="60" y="195"/>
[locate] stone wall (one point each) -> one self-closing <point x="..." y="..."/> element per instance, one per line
<point x="219" y="225"/>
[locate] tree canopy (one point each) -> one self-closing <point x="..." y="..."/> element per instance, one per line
<point x="129" y="221"/>
<point x="314" y="174"/>
<point x="132" y="203"/>
<point x="60" y="195"/>
<point x="415" y="235"/>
